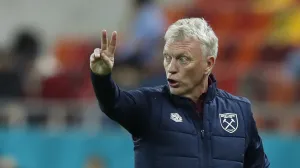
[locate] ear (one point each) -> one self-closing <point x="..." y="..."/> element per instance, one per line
<point x="210" y="62"/>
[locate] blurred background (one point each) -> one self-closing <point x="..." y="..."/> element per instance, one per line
<point x="48" y="112"/>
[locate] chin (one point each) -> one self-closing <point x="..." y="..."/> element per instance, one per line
<point x="176" y="91"/>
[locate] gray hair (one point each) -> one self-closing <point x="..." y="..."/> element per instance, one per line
<point x="196" y="28"/>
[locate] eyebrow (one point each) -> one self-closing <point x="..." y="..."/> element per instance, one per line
<point x="180" y="54"/>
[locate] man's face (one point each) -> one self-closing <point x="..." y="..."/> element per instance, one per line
<point x="185" y="66"/>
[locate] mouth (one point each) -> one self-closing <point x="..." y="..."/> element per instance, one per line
<point x="173" y="83"/>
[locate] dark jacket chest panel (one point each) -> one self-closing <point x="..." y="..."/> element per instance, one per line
<point x="173" y="132"/>
<point x="180" y="137"/>
<point x="174" y="119"/>
<point x="227" y="118"/>
<point x="228" y="137"/>
<point x="179" y="144"/>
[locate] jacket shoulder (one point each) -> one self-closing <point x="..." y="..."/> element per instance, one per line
<point x="223" y="94"/>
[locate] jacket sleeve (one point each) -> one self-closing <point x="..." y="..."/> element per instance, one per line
<point x="255" y="156"/>
<point x="128" y="108"/>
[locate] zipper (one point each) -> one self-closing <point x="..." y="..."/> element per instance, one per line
<point x="206" y="136"/>
<point x="202" y="149"/>
<point x="203" y="146"/>
<point x="202" y="133"/>
<point x="198" y="123"/>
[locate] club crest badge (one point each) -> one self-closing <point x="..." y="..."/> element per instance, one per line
<point x="229" y="122"/>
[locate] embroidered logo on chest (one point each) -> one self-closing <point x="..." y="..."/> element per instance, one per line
<point x="229" y="122"/>
<point x="175" y="117"/>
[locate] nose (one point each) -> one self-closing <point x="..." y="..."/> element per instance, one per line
<point x="172" y="68"/>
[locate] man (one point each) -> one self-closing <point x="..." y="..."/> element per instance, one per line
<point x="189" y="123"/>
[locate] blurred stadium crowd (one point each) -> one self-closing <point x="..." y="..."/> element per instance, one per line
<point x="259" y="57"/>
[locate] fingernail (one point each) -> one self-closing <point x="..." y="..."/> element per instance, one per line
<point x="97" y="52"/>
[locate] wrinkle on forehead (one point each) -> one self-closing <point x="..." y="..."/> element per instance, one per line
<point x="179" y="47"/>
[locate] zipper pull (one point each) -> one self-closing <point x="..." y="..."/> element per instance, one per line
<point x="202" y="134"/>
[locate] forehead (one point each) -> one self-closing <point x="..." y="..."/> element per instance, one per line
<point x="183" y="46"/>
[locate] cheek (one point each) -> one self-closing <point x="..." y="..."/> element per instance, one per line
<point x="193" y="75"/>
<point x="165" y="64"/>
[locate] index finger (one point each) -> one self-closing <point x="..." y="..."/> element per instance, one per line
<point x="104" y="40"/>
<point x="113" y="43"/>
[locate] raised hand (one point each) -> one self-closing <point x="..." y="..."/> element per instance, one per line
<point x="102" y="60"/>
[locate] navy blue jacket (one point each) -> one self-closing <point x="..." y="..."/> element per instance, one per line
<point x="167" y="132"/>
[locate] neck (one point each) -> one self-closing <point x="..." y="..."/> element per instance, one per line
<point x="199" y="90"/>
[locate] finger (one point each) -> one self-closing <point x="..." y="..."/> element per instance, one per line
<point x="104" y="40"/>
<point x="113" y="43"/>
<point x="105" y="58"/>
<point x="92" y="57"/>
<point x="97" y="52"/>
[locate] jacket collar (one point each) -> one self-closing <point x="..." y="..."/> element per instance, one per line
<point x="209" y="95"/>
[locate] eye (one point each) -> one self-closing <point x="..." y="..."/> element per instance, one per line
<point x="183" y="59"/>
<point x="167" y="58"/>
